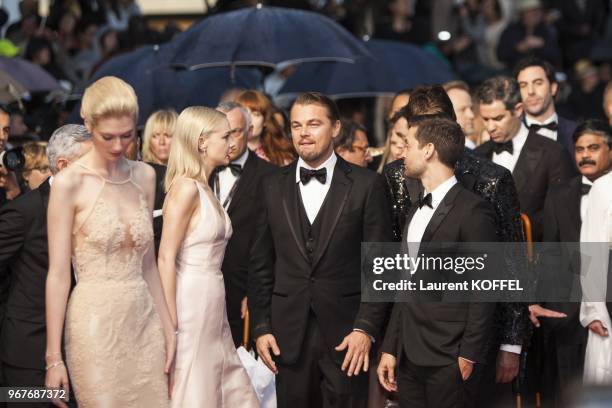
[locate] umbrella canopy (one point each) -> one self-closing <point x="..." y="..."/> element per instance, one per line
<point x="32" y="77"/>
<point x="392" y="67"/>
<point x="10" y="89"/>
<point x="264" y="36"/>
<point x="159" y="86"/>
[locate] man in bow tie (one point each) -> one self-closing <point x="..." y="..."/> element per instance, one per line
<point x="237" y="188"/>
<point x="564" y="212"/>
<point x="304" y="276"/>
<point x="536" y="162"/>
<point x="538" y="85"/>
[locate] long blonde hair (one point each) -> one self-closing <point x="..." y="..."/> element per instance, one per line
<point x="108" y="96"/>
<point x="194" y="123"/>
<point x="161" y="119"/>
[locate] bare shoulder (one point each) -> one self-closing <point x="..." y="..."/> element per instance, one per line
<point x="183" y="190"/>
<point x="68" y="181"/>
<point x="142" y="173"/>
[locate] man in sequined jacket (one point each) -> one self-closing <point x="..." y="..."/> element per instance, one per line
<point x="495" y="184"/>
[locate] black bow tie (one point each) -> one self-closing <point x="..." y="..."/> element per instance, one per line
<point x="307" y="174"/>
<point x="236" y="169"/>
<point x="550" y="126"/>
<point x="425" y="201"/>
<point x="585" y="188"/>
<point x="500" y="147"/>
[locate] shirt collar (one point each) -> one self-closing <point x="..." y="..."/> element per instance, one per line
<point x="50" y="180"/>
<point x="440" y="192"/>
<point x="242" y="159"/>
<point x="521" y="137"/>
<point x="586" y="181"/>
<point x="552" y="118"/>
<point x="329" y="164"/>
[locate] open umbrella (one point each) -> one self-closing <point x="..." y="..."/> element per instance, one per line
<point x="264" y="36"/>
<point x="10" y="89"/>
<point x="392" y="67"/>
<point x="159" y="86"/>
<point x="29" y="75"/>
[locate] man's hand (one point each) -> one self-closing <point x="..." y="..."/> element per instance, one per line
<point x="244" y="307"/>
<point x="264" y="344"/>
<point x="598" y="328"/>
<point x="465" y="367"/>
<point x="358" y="354"/>
<point x="386" y="372"/>
<point x="507" y="366"/>
<point x="536" y="311"/>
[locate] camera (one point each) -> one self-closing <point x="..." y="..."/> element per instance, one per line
<point x="13" y="160"/>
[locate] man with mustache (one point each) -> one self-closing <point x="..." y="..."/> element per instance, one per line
<point x="564" y="211"/>
<point x="536" y="79"/>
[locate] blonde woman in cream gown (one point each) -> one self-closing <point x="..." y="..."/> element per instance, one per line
<point x="208" y="371"/>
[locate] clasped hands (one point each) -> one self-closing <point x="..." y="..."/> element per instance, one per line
<point x="357" y="345"/>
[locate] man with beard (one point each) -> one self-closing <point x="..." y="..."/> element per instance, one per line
<point x="538" y="86"/>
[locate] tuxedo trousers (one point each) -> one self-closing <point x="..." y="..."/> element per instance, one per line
<point x="316" y="379"/>
<point x="436" y="387"/>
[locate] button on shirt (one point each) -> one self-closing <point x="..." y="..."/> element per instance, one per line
<point x="551" y="134"/>
<point x="584" y="200"/>
<point x="423" y="215"/>
<point x="314" y="192"/>
<point x="509" y="160"/>
<point x="227" y="178"/>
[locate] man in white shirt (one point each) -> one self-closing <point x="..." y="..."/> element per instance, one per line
<point x="538" y="85"/>
<point x="459" y="94"/>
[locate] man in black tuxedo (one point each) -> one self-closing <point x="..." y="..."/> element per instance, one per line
<point x="24" y="258"/>
<point x="304" y="278"/>
<point x="564" y="339"/>
<point x="237" y="187"/>
<point x="435" y="346"/>
<point x="538" y="85"/>
<point x="537" y="163"/>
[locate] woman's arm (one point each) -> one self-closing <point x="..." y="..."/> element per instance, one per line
<point x="60" y="220"/>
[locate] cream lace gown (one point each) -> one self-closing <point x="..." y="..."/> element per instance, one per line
<point x="114" y="340"/>
<point x="208" y="371"/>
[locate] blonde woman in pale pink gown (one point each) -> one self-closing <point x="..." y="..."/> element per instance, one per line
<point x="208" y="371"/>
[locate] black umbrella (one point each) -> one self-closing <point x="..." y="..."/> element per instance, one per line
<point x="264" y="36"/>
<point x="158" y="86"/>
<point x="393" y="66"/>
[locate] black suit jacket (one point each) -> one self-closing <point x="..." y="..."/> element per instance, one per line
<point x="245" y="207"/>
<point x="284" y="286"/>
<point x="565" y="134"/>
<point x="542" y="164"/>
<point x="437" y="333"/>
<point x="24" y="258"/>
<point x="562" y="224"/>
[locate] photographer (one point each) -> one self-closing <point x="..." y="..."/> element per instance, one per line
<point x="9" y="187"/>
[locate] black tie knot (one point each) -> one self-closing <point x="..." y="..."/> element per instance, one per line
<point x="506" y="146"/>
<point x="425" y="201"/>
<point x="236" y="169"/>
<point x="550" y="126"/>
<point x="585" y="188"/>
<point x="306" y="175"/>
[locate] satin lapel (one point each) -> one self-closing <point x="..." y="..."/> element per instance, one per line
<point x="332" y="207"/>
<point x="441" y="213"/>
<point x="290" y="206"/>
<point x="245" y="180"/>
<point x="527" y="162"/>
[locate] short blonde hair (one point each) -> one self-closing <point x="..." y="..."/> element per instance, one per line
<point x="161" y="119"/>
<point x="194" y="123"/>
<point x="35" y="154"/>
<point x="108" y="96"/>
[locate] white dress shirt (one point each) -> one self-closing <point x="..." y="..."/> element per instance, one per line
<point x="423" y="215"/>
<point x="470" y="144"/>
<point x="314" y="192"/>
<point x="551" y="134"/>
<point x="584" y="200"/>
<point x="509" y="160"/>
<point x="227" y="178"/>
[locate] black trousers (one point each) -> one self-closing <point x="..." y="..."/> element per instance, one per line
<point x="492" y="394"/>
<point x="23" y="377"/>
<point x="316" y="380"/>
<point x="435" y="387"/>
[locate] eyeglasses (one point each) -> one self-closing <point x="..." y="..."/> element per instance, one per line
<point x="363" y="149"/>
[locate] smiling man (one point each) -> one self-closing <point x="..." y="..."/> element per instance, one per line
<point x="304" y="282"/>
<point x="538" y="86"/>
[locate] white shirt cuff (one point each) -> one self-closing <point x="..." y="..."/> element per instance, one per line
<point x="366" y="333"/>
<point x="511" y="348"/>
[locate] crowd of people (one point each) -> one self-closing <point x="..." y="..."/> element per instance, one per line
<point x="130" y="258"/>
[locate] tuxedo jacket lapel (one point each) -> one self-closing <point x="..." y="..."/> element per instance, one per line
<point x="45" y="190"/>
<point x="526" y="164"/>
<point x="572" y="209"/>
<point x="290" y="206"/>
<point x="245" y="180"/>
<point x="440" y="214"/>
<point x="332" y="207"/>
